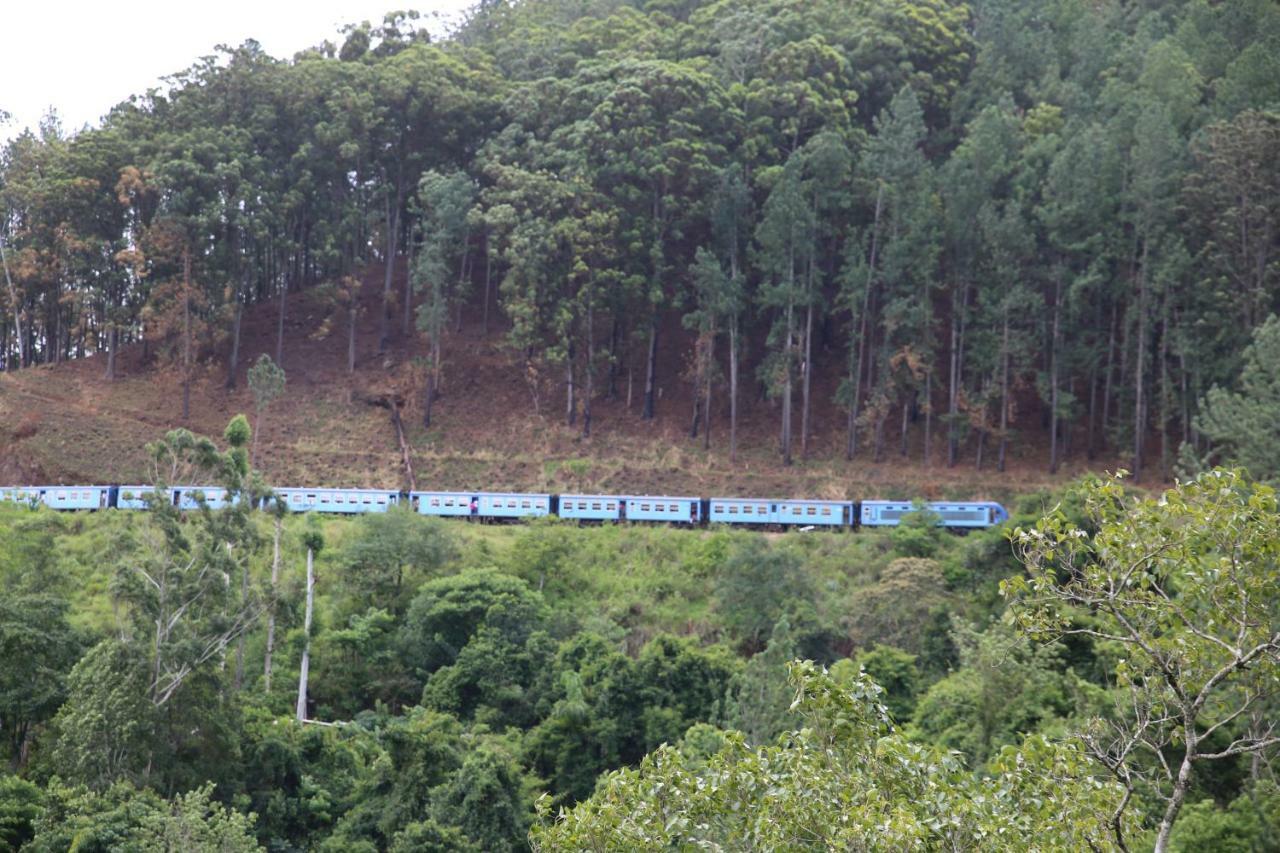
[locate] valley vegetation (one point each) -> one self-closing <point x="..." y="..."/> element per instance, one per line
<point x="1103" y="675"/>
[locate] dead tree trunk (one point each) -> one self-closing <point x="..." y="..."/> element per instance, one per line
<point x="277" y="534"/>
<point x="304" y="669"/>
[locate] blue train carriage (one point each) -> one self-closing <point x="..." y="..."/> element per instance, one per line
<point x="343" y="501"/>
<point x="959" y="515"/>
<point x="444" y="504"/>
<point x="514" y="505"/>
<point x="676" y="510"/>
<point x="69" y="497"/>
<point x="801" y="513"/>
<point x="134" y="497"/>
<point x="27" y="495"/>
<point x="592" y="507"/>
<point x="215" y="497"/>
<point x="739" y="511"/>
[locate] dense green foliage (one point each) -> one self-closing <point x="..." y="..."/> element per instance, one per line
<point x="635" y="681"/>
<point x="955" y="221"/>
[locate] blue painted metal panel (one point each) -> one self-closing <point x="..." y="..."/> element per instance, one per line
<point x="969" y="513"/>
<point x="661" y="508"/>
<point x="215" y="497"/>
<point x="342" y="501"/>
<point x="740" y="511"/>
<point x="20" y="494"/>
<point x="131" y="497"/>
<point x="591" y="507"/>
<point x="954" y="514"/>
<point x="74" y="497"/>
<point x="517" y="505"/>
<point x="883" y="513"/>
<point x="443" y="503"/>
<point x="819" y="513"/>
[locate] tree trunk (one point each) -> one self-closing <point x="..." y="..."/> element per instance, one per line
<point x="233" y="360"/>
<point x="406" y="323"/>
<point x="786" y="362"/>
<point x="17" y="309"/>
<point x="284" y="291"/>
<point x="257" y="430"/>
<point x="244" y="600"/>
<point x="651" y="367"/>
<point x="1004" y="393"/>
<point x="570" y="404"/>
<point x="384" y="312"/>
<point x="1139" y="370"/>
<point x="186" y="334"/>
<point x="851" y="445"/>
<point x="353" y="311"/>
<point x="113" y="345"/>
<point x="1053" y="376"/>
<point x="305" y="668"/>
<point x="1166" y="394"/>
<point x="588" y="369"/>
<point x="928" y="418"/>
<point x="733" y="389"/>
<point x="1176" y="797"/>
<point x="906" y="411"/>
<point x="488" y="283"/>
<point x="711" y="353"/>
<point x="1109" y="373"/>
<point x="808" y="371"/>
<point x="277" y="533"/>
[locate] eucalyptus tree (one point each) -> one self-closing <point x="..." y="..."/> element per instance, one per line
<point x="655" y="136"/>
<point x="975" y="186"/>
<point x="720" y="297"/>
<point x="905" y="278"/>
<point x="783" y="243"/>
<point x="445" y="202"/>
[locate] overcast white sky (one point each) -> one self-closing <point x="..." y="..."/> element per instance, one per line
<point x="82" y="57"/>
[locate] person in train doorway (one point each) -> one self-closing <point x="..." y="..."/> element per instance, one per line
<point x="475" y="508"/>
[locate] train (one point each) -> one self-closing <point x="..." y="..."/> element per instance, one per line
<point x="515" y="506"/>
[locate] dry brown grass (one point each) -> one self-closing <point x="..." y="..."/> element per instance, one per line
<point x="65" y="423"/>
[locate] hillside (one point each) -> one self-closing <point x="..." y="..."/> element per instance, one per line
<point x="63" y="423"/>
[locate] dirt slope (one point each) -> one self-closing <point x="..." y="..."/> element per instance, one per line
<point x="64" y="423"/>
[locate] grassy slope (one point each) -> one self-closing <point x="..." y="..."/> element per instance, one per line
<point x="65" y="424"/>
<point x="645" y="579"/>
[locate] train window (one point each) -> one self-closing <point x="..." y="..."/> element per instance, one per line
<point x="826" y="510"/>
<point x="62" y="496"/>
<point x="644" y="507"/>
<point x="733" y="510"/>
<point x="595" y="506"/>
<point x="717" y="508"/>
<point x="813" y="510"/>
<point x="524" y="504"/>
<point x="611" y="507"/>
<point x="746" y="509"/>
<point x="367" y="501"/>
<point x="511" y="503"/>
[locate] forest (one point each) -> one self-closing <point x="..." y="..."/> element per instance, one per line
<point x="956" y="222"/>
<point x="968" y="226"/>
<point x="1099" y="676"/>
